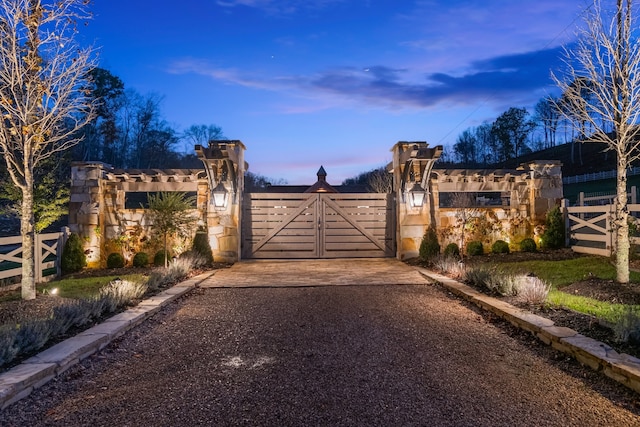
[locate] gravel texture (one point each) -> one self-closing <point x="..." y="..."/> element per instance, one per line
<point x="351" y="355"/>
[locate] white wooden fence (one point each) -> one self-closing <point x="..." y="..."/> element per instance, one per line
<point x="48" y="248"/>
<point x="590" y="230"/>
<point x="604" y="198"/>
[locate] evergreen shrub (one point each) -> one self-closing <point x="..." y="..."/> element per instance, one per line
<point x="141" y="259"/>
<point x="553" y="237"/>
<point x="528" y="245"/>
<point x="73" y="257"/>
<point x="429" y="247"/>
<point x="452" y="250"/>
<point x="500" y="247"/>
<point x="115" y="260"/>
<point x="158" y="258"/>
<point x="201" y="245"/>
<point x="474" y="248"/>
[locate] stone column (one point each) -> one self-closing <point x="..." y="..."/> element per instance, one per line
<point x="86" y="207"/>
<point x="225" y="166"/>
<point x="412" y="164"/>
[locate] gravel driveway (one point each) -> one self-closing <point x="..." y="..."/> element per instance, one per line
<point x="380" y="355"/>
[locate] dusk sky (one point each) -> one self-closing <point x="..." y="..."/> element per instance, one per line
<point x="337" y="83"/>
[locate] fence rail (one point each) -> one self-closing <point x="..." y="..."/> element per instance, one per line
<point x="48" y="248"/>
<point x="604" y="197"/>
<point x="596" y="176"/>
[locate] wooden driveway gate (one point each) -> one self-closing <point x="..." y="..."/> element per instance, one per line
<point x="318" y="225"/>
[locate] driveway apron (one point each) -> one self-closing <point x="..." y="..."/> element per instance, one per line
<point x="323" y="343"/>
<point x="342" y="272"/>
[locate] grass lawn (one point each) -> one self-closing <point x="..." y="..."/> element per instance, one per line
<point x="560" y="274"/>
<point x="78" y="288"/>
<point x="565" y="272"/>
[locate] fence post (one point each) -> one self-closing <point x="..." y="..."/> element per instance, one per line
<point x="62" y="240"/>
<point x="38" y="257"/>
<point x="581" y="199"/>
<point x="564" y="203"/>
<point x="633" y="195"/>
<point x="612" y="238"/>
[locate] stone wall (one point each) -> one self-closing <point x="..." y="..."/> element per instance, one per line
<point x="526" y="194"/>
<point x="98" y="211"/>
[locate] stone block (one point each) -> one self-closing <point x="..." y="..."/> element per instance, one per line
<point x="90" y="219"/>
<point x="111" y="328"/>
<point x="409" y="244"/>
<point x="80" y="198"/>
<point x="228" y="244"/>
<point x="550" y="334"/>
<point x="216" y="230"/>
<point x="69" y="352"/>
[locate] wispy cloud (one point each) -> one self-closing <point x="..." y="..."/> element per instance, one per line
<point x="498" y="80"/>
<point x="284" y="7"/>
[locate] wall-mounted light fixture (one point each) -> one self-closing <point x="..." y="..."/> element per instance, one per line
<point x="220" y="196"/>
<point x="417" y="194"/>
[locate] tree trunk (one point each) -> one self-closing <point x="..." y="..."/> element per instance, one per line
<point x="622" y="225"/>
<point x="166" y="252"/>
<point x="28" y="241"/>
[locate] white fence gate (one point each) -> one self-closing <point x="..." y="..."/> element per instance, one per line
<point x="590" y="230"/>
<point x="47" y="248"/>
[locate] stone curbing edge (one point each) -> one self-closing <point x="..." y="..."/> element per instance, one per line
<point x="598" y="356"/>
<point x="20" y="381"/>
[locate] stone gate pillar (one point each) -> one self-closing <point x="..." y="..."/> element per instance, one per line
<point x="86" y="207"/>
<point x="224" y="162"/>
<point x="415" y="207"/>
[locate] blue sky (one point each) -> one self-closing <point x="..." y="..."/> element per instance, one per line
<point x="305" y="83"/>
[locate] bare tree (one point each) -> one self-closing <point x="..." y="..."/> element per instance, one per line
<point x="548" y="116"/>
<point x="608" y="56"/>
<point x="43" y="101"/>
<point x="202" y="134"/>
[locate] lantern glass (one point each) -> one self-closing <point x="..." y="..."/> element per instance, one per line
<point x="417" y="195"/>
<point x="220" y="196"/>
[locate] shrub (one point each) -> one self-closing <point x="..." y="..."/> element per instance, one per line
<point x="193" y="259"/>
<point x="627" y="324"/>
<point x="201" y="245"/>
<point x="528" y="245"/>
<point x="158" y="258"/>
<point x="450" y="265"/>
<point x="141" y="259"/>
<point x="500" y="247"/>
<point x="73" y="312"/>
<point x="533" y="290"/>
<point x="474" y="248"/>
<point x="178" y="269"/>
<point x="429" y="247"/>
<point x="478" y="276"/>
<point x="119" y="293"/>
<point x="452" y="250"/>
<point x="8" y="351"/>
<point x="553" y="236"/>
<point x="503" y="284"/>
<point x="73" y="257"/>
<point x="115" y="260"/>
<point x="30" y="335"/>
